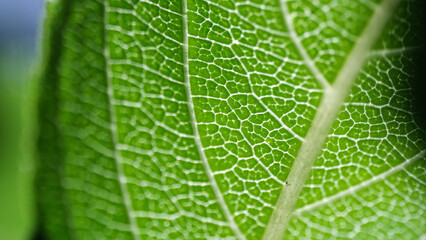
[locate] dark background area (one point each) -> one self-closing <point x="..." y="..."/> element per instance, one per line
<point x="420" y="78"/>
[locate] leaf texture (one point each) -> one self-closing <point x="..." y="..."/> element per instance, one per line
<point x="218" y="119"/>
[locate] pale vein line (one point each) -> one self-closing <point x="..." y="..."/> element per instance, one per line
<point x="117" y="156"/>
<point x="296" y="40"/>
<point x="297" y="136"/>
<point x="264" y="105"/>
<point x="247" y="72"/>
<point x="210" y="175"/>
<point x="326" y="114"/>
<point x="362" y="185"/>
<point x="392" y="52"/>
<point x="414" y="177"/>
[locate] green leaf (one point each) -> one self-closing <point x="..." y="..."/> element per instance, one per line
<point x="230" y="120"/>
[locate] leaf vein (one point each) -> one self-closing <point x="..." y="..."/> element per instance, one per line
<point x="328" y="109"/>
<point x="113" y="127"/>
<point x="210" y="175"/>
<point x="362" y="185"/>
<point x="298" y="43"/>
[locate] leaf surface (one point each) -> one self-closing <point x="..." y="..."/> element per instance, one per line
<point x="230" y="119"/>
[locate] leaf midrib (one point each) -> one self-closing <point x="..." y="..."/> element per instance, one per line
<point x="327" y="111"/>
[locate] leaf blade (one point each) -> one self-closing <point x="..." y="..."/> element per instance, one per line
<point x="209" y="117"/>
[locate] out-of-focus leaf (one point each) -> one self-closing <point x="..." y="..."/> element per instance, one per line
<point x="17" y="127"/>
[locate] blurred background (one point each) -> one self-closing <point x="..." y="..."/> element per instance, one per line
<point x="19" y="25"/>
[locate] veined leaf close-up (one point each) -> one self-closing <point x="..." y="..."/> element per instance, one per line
<point x="230" y="119"/>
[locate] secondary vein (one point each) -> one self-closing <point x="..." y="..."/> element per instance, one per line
<point x="395" y="51"/>
<point x="327" y="111"/>
<point x="113" y="127"/>
<point x="210" y="175"/>
<point x="296" y="40"/>
<point x="362" y="185"/>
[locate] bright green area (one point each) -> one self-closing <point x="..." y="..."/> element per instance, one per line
<point x="124" y="158"/>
